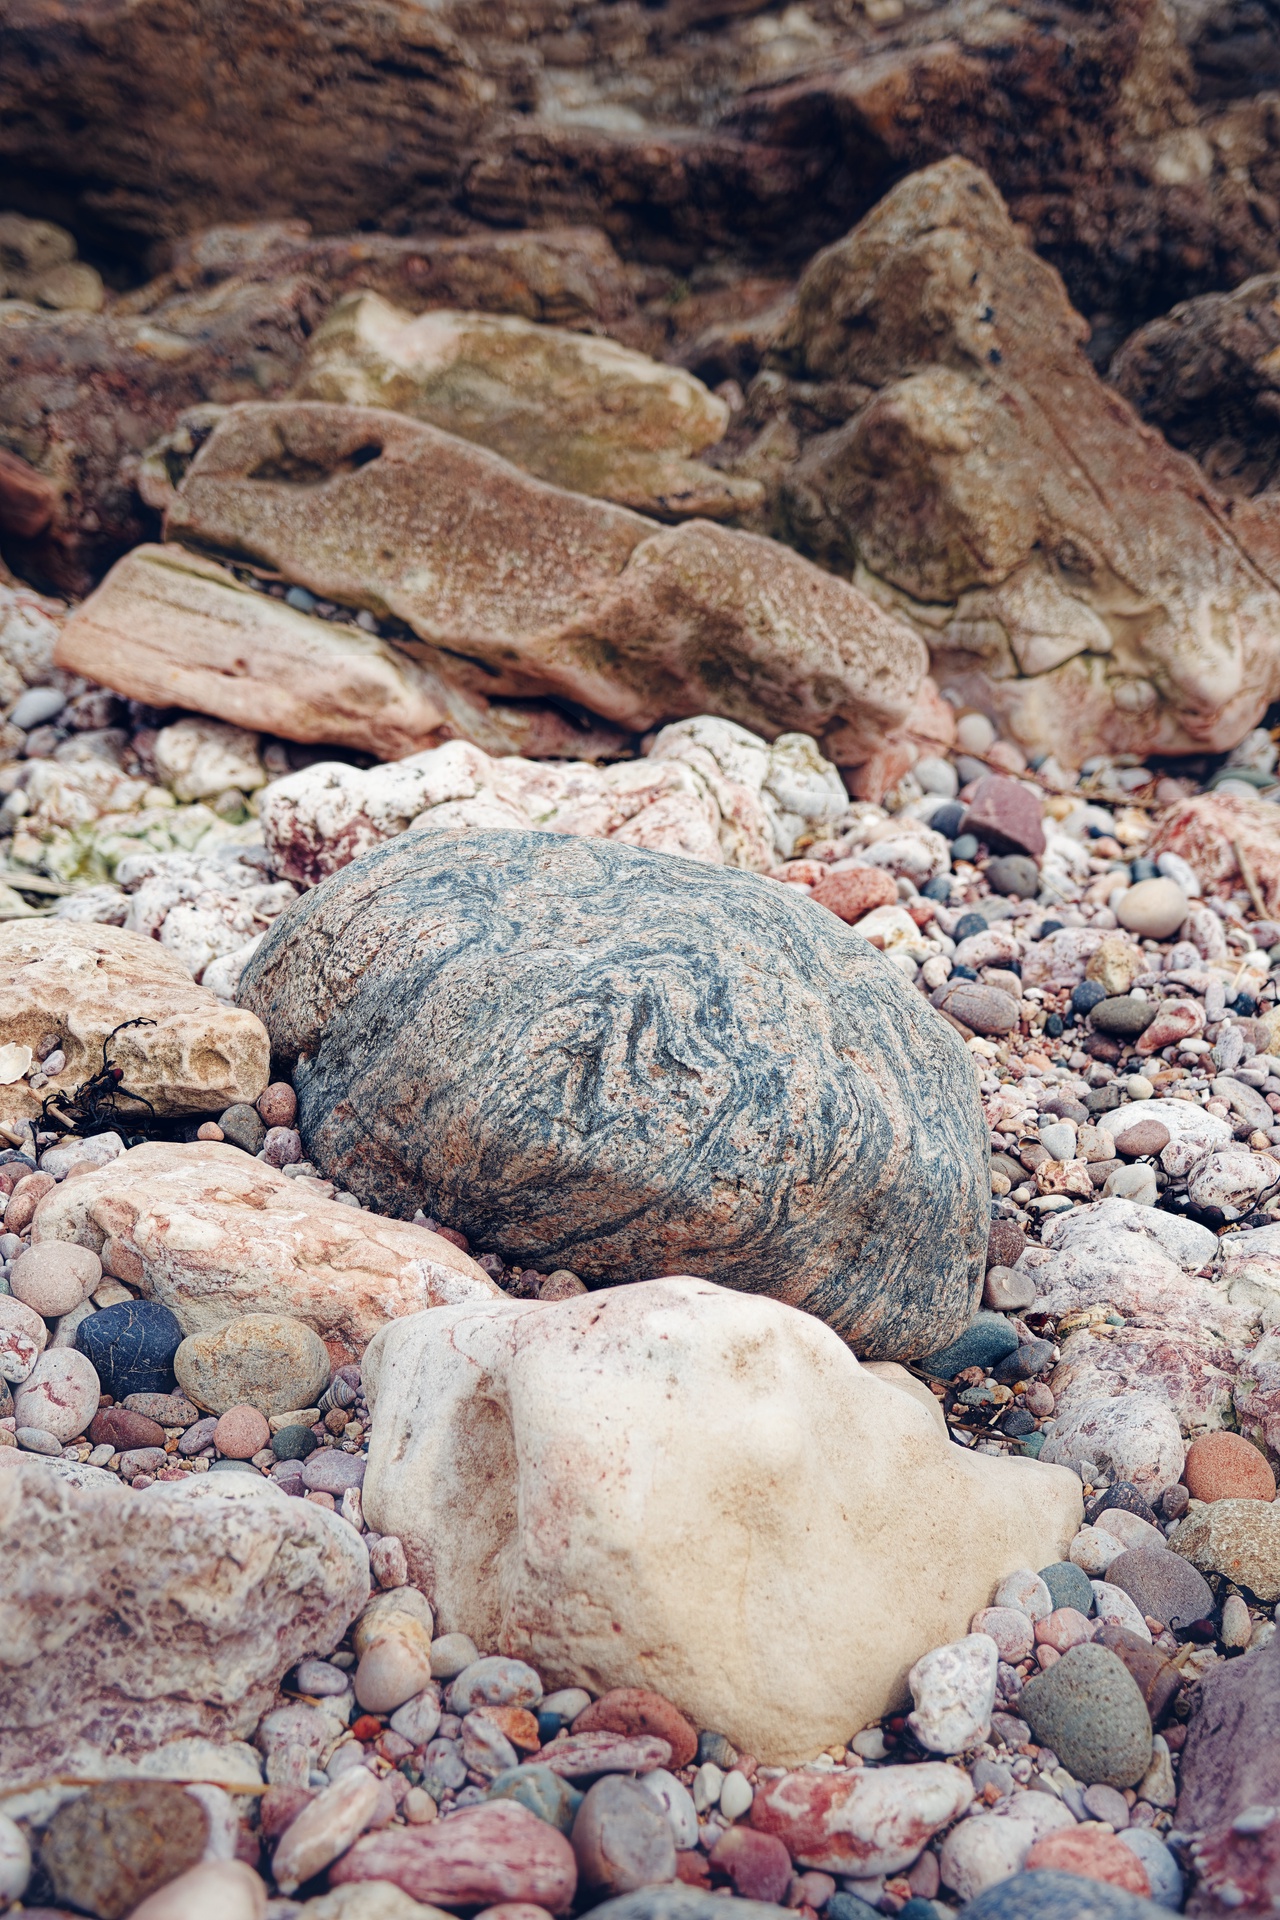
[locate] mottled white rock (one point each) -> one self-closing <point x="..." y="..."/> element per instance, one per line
<point x="871" y="1821"/>
<point x="198" y="759"/>
<point x="134" y="1619"/>
<point x="1092" y="1550"/>
<point x="1232" y="1179"/>
<point x="1027" y="1592"/>
<point x="991" y="1846"/>
<point x="1249" y="1268"/>
<point x="954" y="1688"/>
<point x="1134" y="1437"/>
<point x="23" y="1338"/>
<point x="762" y="1427"/>
<point x="1139" y="1260"/>
<point x="676" y="1802"/>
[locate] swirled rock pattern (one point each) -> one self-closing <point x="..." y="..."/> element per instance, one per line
<point x="590" y="1056"/>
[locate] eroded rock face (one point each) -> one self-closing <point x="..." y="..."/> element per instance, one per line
<point x="586" y="1529"/>
<point x="131" y="1621"/>
<point x="177" y="626"/>
<point x="213" y="1233"/>
<point x="535" y="592"/>
<point x="1231" y="1763"/>
<point x="229" y="322"/>
<point x="193" y="1055"/>
<point x="707" y="789"/>
<point x="1070" y="572"/>
<point x="808" y="1129"/>
<point x="574" y="409"/>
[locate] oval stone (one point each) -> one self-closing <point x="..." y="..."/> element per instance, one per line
<point x="264" y="1360"/>
<point x="54" y="1277"/>
<point x="605" y="1012"/>
<point x="59" y="1394"/>
<point x="1087" y="1707"/>
<point x="132" y="1347"/>
<point x="638" y="1710"/>
<point x="1123" y="1016"/>
<point x="106" y="1851"/>
<point x="23" y="1338"/>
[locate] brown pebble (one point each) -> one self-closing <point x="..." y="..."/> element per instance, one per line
<point x="1222" y="1466"/>
<point x="855" y="892"/>
<point x="1005" y="1244"/>
<point x="1142" y="1138"/>
<point x="209" y="1130"/>
<point x="123" y="1430"/>
<point x="240" y="1433"/>
<point x="24" y="1200"/>
<point x="278" y="1106"/>
<point x="561" y="1285"/>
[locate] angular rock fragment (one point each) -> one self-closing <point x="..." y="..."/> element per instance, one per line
<point x="132" y="1621"/>
<point x="534" y="592"/>
<point x="809" y="1129"/>
<point x="572" y="408"/>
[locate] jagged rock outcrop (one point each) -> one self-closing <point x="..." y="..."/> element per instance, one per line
<point x="1072" y="574"/>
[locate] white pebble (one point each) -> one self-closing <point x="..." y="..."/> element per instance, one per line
<point x="1093" y="1550"/>
<point x="1113" y="1605"/>
<point x="15" y="1859"/>
<point x="736" y="1795"/>
<point x="707" y="1782"/>
<point x="1236" y="1624"/>
<point x="676" y="1803"/>
<point x="1027" y="1592"/>
<point x="975" y="733"/>
<point x="954" y="1689"/>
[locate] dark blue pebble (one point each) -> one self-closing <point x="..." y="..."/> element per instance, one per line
<point x="1042" y="1895"/>
<point x="969" y="924"/>
<point x="984" y="1341"/>
<point x="1125" y="1497"/>
<point x="131" y="1347"/>
<point x="963" y="973"/>
<point x="1087" y="996"/>
<point x="847" y="1906"/>
<point x="1047" y="927"/>
<point x="939" y="888"/>
<point x="1018" y="1422"/>
<point x="1068" y="1586"/>
<point x="946" y="819"/>
<point x="1143" y="868"/>
<point x="1245" y="1005"/>
<point x="965" y="847"/>
<point x="1053" y="1026"/>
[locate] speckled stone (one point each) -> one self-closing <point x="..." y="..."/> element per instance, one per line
<point x="1124" y="1497"/>
<point x="55" y="1277"/>
<point x="1069" y="1585"/>
<point x="106" y="1851"/>
<point x="1162" y="1585"/>
<point x="836" y="1109"/>
<point x="293" y="1443"/>
<point x="621" y="1840"/>
<point x="278" y="1106"/>
<point x="243" y="1126"/>
<point x="1223" y="1466"/>
<point x="120" y="1427"/>
<point x="329" y="1471"/>
<point x="1238" y="1538"/>
<point x="639" y="1710"/>
<point x="1046" y="1895"/>
<point x="495" y="1681"/>
<point x="131" y="1347"/>
<point x="1088" y="1709"/>
<point x="167" y="1409"/>
<point x="984" y="1342"/>
<point x="240" y="1433"/>
<point x="264" y="1360"/>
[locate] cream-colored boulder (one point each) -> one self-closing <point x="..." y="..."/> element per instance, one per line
<point x="136" y="1619"/>
<point x="574" y="408"/>
<point x="213" y="1233"/>
<point x="675" y="1486"/>
<point x="707" y="789"/>
<point x="192" y="1054"/>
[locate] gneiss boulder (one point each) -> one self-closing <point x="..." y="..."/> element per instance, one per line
<point x="522" y="590"/>
<point x="131" y="1620"/>
<point x="591" y="1056"/>
<point x="574" y="1478"/>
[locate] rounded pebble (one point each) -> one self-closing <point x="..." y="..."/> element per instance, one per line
<point x="293" y="1443"/>
<point x="240" y="1433"/>
<point x="132" y="1346"/>
<point x="23" y="1338"/>
<point x="1153" y="909"/>
<point x="1087" y="1707"/>
<point x="55" y="1277"/>
<point x="60" y="1394"/>
<point x="1091" y="1854"/>
<point x="1223" y="1466"/>
<point x="1069" y="1586"/>
<point x="264" y="1360"/>
<point x="278" y="1106"/>
<point x="243" y="1126"/>
<point x="282" y="1147"/>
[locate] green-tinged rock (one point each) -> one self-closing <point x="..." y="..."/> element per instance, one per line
<point x="1089" y="1709"/>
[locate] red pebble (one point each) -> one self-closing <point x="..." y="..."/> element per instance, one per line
<point x="692" y="1870"/>
<point x="1092" y="1855"/>
<point x="757" y="1864"/>
<point x="851" y="894"/>
<point x="367" y="1727"/>
<point x="631" y="1710"/>
<point x="279" y="1807"/>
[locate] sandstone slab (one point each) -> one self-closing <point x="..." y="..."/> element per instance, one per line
<point x="136" y="1619"/>
<point x="212" y="1234"/>
<point x="175" y="628"/>
<point x="680" y="1088"/>
<point x="543" y="592"/>
<point x="192" y="1055"/>
<point x="572" y="408"/>
<point x="526" y="1550"/>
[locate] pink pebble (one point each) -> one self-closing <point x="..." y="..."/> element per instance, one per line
<point x="240" y="1433"/>
<point x="282" y="1147"/>
<point x="1046" y="1657"/>
<point x="1009" y="1627"/>
<point x="1065" y="1627"/>
<point x="278" y="1106"/>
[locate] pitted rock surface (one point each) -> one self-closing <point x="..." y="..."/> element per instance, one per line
<point x="574" y="1052"/>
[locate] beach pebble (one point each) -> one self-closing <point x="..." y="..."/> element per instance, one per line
<point x="1161" y="1867"/>
<point x="60" y="1394"/>
<point x="494" y="1682"/>
<point x="240" y="1433"/>
<point x="631" y="1710"/>
<point x="1007" y="1291"/>
<point x="1068" y="1586"/>
<point x="1026" y="1591"/>
<point x="1223" y="1466"/>
<point x="954" y="1689"/>
<point x="278" y="1106"/>
<point x="453" y="1653"/>
<point x="55" y="1277"/>
<point x="15" y="1859"/>
<point x="264" y="1360"/>
<point x="1087" y="1707"/>
<point x="1091" y="1854"/>
<point x="676" y="1802"/>
<point x="758" y="1866"/>
<point x="621" y="1840"/>
<point x="1093" y="1550"/>
<point x="1153" y="909"/>
<point x="107" y="1850"/>
<point x="1114" y="1607"/>
<point x="1009" y="1627"/>
<point x="1161" y="1586"/>
<point x="23" y="1338"/>
<point x="216" y="1890"/>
